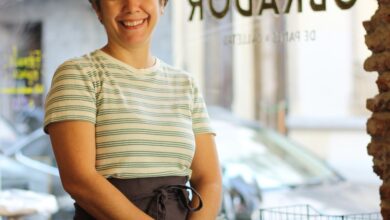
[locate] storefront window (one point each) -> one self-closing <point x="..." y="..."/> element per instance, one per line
<point x="292" y="67"/>
<point x="259" y="58"/>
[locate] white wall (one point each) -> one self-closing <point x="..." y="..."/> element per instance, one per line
<point x="328" y="88"/>
<point x="320" y="70"/>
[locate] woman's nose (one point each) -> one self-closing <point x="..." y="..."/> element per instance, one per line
<point x="132" y="6"/>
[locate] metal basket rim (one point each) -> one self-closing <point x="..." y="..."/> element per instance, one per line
<point x="316" y="213"/>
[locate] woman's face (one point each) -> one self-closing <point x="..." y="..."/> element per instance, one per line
<point x="129" y="23"/>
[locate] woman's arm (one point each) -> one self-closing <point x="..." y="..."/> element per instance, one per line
<point x="206" y="177"/>
<point x="74" y="148"/>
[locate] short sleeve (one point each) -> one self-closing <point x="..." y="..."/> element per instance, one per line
<point x="200" y="117"/>
<point x="71" y="96"/>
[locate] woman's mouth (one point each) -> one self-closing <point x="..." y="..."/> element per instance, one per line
<point x="133" y="24"/>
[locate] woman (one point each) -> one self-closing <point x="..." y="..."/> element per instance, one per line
<point x="128" y="130"/>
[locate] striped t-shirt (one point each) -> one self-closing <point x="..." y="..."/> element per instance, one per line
<point x="145" y="119"/>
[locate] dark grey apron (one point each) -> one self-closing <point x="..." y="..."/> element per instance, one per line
<point x="162" y="198"/>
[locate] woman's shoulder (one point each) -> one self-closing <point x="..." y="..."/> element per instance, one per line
<point x="83" y="67"/>
<point x="83" y="59"/>
<point x="79" y="63"/>
<point x="174" y="71"/>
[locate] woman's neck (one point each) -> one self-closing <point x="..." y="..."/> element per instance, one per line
<point x="139" y="58"/>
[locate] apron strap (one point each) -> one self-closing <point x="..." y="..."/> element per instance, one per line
<point x="162" y="194"/>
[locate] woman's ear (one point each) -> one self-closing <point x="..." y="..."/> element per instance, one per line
<point x="162" y="9"/>
<point x="98" y="12"/>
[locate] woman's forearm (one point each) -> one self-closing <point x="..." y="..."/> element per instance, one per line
<point x="206" y="177"/>
<point x="102" y="200"/>
<point x="74" y="147"/>
<point x="211" y="194"/>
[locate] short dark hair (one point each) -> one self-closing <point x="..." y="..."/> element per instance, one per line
<point x="96" y="2"/>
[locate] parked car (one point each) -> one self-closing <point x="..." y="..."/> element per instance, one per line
<point x="27" y="163"/>
<point x="262" y="168"/>
<point x="8" y="134"/>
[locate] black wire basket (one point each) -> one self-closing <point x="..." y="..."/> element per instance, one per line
<point x="306" y="212"/>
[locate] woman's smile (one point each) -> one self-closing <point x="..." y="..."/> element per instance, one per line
<point x="130" y="23"/>
<point x="133" y="24"/>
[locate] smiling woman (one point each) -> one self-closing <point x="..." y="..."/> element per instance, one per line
<point x="98" y="1"/>
<point x="128" y="130"/>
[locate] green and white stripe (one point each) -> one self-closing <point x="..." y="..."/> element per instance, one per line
<point x="145" y="119"/>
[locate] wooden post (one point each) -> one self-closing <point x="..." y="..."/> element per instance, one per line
<point x="378" y="125"/>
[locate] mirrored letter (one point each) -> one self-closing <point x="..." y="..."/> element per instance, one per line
<point x="219" y="14"/>
<point x="271" y="5"/>
<point x="318" y="7"/>
<point x="195" y="4"/>
<point x="345" y="4"/>
<point x="242" y="11"/>
<point x="289" y="3"/>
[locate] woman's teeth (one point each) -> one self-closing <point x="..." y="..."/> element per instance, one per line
<point x="132" y="23"/>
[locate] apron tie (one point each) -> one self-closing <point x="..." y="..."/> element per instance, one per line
<point x="162" y="194"/>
